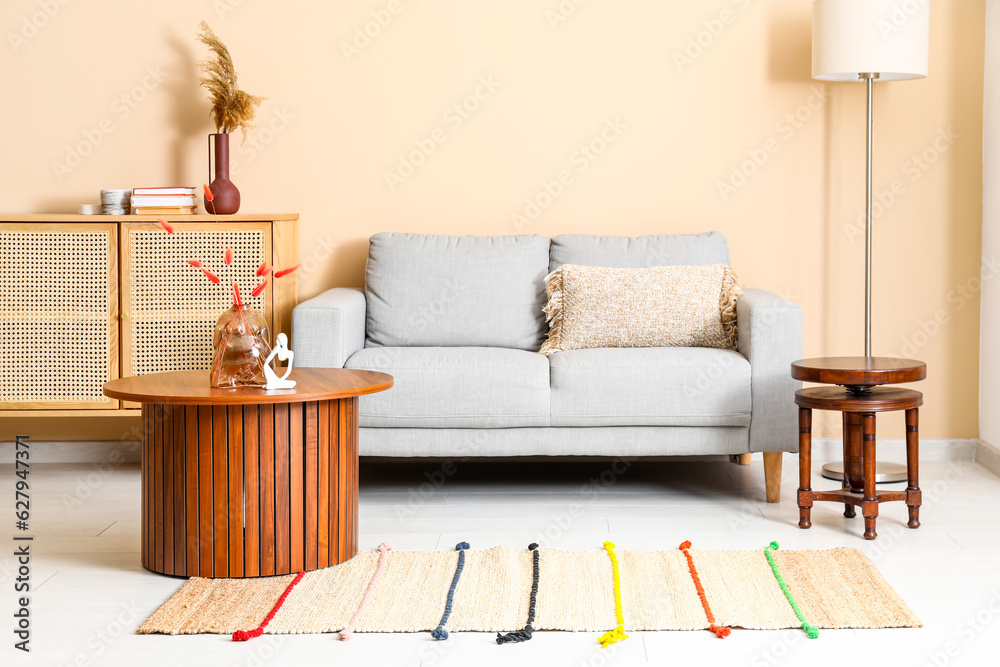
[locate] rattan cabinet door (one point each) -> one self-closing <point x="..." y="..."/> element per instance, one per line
<point x="58" y="315"/>
<point x="169" y="308"/>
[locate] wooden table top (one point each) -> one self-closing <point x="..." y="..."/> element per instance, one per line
<point x="192" y="388"/>
<point x="859" y="371"/>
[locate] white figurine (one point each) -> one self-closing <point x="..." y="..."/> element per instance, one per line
<point x="284" y="354"/>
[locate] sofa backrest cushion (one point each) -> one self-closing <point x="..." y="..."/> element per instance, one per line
<point x="636" y="252"/>
<point x="456" y="291"/>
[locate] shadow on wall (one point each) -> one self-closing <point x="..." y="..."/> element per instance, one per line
<point x="189" y="112"/>
<point x="790" y="46"/>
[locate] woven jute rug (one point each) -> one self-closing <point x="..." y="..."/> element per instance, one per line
<point x="836" y="588"/>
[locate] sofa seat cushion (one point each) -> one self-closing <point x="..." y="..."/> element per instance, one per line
<point x="456" y="387"/>
<point x="650" y="386"/>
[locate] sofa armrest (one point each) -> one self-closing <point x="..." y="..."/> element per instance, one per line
<point x="329" y="328"/>
<point x="770" y="337"/>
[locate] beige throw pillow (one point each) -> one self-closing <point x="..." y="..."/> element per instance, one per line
<point x="663" y="306"/>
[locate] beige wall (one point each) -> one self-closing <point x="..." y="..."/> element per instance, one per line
<point x="989" y="369"/>
<point x="558" y="79"/>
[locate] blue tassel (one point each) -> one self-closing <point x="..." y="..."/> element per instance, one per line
<point x="440" y="633"/>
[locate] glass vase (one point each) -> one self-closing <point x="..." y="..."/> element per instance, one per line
<point x="241" y="344"/>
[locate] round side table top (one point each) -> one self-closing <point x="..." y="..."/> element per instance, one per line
<point x="859" y="371"/>
<point x="192" y="388"/>
<point x="879" y="399"/>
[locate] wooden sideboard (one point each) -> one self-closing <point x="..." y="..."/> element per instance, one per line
<point x="89" y="298"/>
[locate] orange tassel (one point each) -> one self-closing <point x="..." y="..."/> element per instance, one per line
<point x="229" y="256"/>
<point x="259" y="289"/>
<point x="211" y="276"/>
<point x="285" y="272"/>
<point x="167" y="226"/>
<point x="237" y="299"/>
<point x="720" y="632"/>
<point x="195" y="263"/>
<point x="263" y="269"/>
<point x="208" y="192"/>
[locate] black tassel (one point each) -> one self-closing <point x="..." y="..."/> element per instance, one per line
<point x="525" y="634"/>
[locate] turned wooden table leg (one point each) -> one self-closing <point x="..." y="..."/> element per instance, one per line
<point x="869" y="508"/>
<point x="913" y="498"/>
<point x="805" y="497"/>
<point x="851" y="421"/>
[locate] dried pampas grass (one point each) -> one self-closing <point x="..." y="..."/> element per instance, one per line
<point x="232" y="108"/>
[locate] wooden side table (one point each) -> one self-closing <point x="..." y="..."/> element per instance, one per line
<point x="247" y="482"/>
<point x="859" y="398"/>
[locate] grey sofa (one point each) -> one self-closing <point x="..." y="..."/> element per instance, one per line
<point x="458" y="321"/>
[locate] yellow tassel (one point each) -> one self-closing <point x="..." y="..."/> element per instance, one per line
<point x="612" y="636"/>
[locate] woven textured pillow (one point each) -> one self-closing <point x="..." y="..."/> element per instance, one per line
<point x="663" y="306"/>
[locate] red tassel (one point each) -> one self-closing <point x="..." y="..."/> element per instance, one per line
<point x="229" y="256"/>
<point x="195" y="263"/>
<point x="685" y="545"/>
<point x="237" y="299"/>
<point x="259" y="289"/>
<point x="167" y="226"/>
<point x="208" y="192"/>
<point x="285" y="272"/>
<point x="211" y="276"/>
<point x="244" y="635"/>
<point x="263" y="269"/>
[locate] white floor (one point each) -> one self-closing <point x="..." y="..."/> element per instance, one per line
<point x="90" y="593"/>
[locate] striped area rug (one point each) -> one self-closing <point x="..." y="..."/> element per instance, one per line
<point x="576" y="591"/>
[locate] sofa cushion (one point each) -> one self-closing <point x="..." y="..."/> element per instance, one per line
<point x="456" y="387"/>
<point x="651" y="386"/>
<point x="635" y="252"/>
<point x="433" y="290"/>
<point x="660" y="306"/>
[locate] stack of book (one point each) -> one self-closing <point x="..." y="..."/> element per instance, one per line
<point x="164" y="201"/>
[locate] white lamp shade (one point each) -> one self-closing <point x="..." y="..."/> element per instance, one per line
<point x="887" y="37"/>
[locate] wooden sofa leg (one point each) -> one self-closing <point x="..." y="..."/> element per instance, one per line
<point x="772" y="475"/>
<point x="741" y="459"/>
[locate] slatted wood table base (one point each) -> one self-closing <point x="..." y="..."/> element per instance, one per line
<point x="249" y="490"/>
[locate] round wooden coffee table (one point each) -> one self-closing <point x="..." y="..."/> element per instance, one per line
<point x="246" y="482"/>
<point x="859" y="398"/>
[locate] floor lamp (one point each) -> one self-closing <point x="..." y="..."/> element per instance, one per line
<point x="868" y="41"/>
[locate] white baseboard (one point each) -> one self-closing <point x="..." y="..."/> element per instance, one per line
<point x="824" y="449"/>
<point x="99" y="451"/>
<point x="893" y="450"/>
<point x="988" y="456"/>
